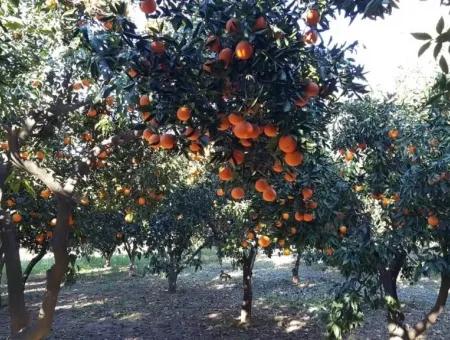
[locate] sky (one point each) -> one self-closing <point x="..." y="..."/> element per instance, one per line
<point x="387" y="49"/>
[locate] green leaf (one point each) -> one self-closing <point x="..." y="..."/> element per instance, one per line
<point x="437" y="49"/>
<point x="12" y="23"/>
<point x="421" y="36"/>
<point x="443" y="64"/>
<point x="440" y="25"/>
<point x="424" y="47"/>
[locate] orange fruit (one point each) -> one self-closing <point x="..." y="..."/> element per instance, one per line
<point x="147" y="134"/>
<point x="264" y="241"/>
<point x="312" y="205"/>
<point x="220" y="192"/>
<point x="393" y="134"/>
<point x="269" y="195"/>
<point x="40" y="238"/>
<point x="307" y="193"/>
<point x="343" y="230"/>
<point x="232" y="25"/>
<point x="192" y="134"/>
<point x="244" y="50"/>
<point x="16" y="218"/>
<point x="184" y="113"/>
<point x="312" y="89"/>
<point x="225" y="174"/>
<point x="132" y="73"/>
<point x="40" y="155"/>
<point x="167" y="141"/>
<point x="84" y="201"/>
<point x="293" y="230"/>
<point x="261" y="185"/>
<point x="235" y="118"/>
<point x="433" y="220"/>
<point x="244" y="244"/>
<point x="290" y="177"/>
<point x="260" y="24"/>
<point x="312" y="17"/>
<point x="86" y="136"/>
<point x="308" y="217"/>
<point x="153" y="140"/>
<point x="277" y="167"/>
<point x="237" y="193"/>
<point x="224" y="124"/>
<point x="45" y="194"/>
<point x="195" y="147"/>
<point x="310" y="37"/>
<point x="144" y="100"/>
<point x="226" y="55"/>
<point x="243" y="130"/>
<point x="213" y="43"/>
<point x="102" y="155"/>
<point x="158" y="47"/>
<point x="148" y="6"/>
<point x="299" y="216"/>
<point x="294" y="158"/>
<point x="281" y="242"/>
<point x="141" y="201"/>
<point x="245" y="143"/>
<point x="238" y="157"/>
<point x="285" y="216"/>
<point x="349" y="155"/>
<point x="270" y="130"/>
<point x="250" y="235"/>
<point x="10" y="202"/>
<point x="287" y="144"/>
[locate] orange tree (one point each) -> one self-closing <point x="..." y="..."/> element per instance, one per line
<point x="396" y="162"/>
<point x="250" y="82"/>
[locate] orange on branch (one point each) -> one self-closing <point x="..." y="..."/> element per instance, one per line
<point x="16" y="218"/>
<point x="393" y="134"/>
<point x="287" y="144"/>
<point x="307" y="217"/>
<point x="270" y="130"/>
<point x="243" y="130"/>
<point x="238" y="157"/>
<point x="312" y="17"/>
<point x="290" y="177"/>
<point x="312" y="89"/>
<point x="299" y="216"/>
<point x="260" y="24"/>
<point x="232" y="26"/>
<point x="213" y="43"/>
<point x="310" y="37"/>
<point x="264" y="241"/>
<point x="225" y="174"/>
<point x="158" y="47"/>
<point x="261" y="185"/>
<point x="184" y="113"/>
<point x="148" y="6"/>
<point x="301" y="102"/>
<point x="235" y="118"/>
<point x="226" y="55"/>
<point x="237" y="193"/>
<point x="277" y="167"/>
<point x="220" y="192"/>
<point x="167" y="141"/>
<point x="244" y="50"/>
<point x="433" y="220"/>
<point x="144" y="100"/>
<point x="294" y="158"/>
<point x="269" y="195"/>
<point x="343" y="230"/>
<point x="307" y="193"/>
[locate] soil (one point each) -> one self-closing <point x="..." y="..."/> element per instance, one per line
<point x="112" y="305"/>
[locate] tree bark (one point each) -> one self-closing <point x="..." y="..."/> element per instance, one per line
<point x="34" y="261"/>
<point x="172" y="278"/>
<point x="388" y="278"/>
<point x="55" y="275"/>
<point x="247" y="273"/>
<point x="2" y="264"/>
<point x="107" y="256"/>
<point x="295" y="278"/>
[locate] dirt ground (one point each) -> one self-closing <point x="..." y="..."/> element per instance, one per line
<point x="105" y="305"/>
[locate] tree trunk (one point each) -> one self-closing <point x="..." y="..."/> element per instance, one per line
<point x="247" y="273"/>
<point x="107" y="257"/>
<point x="19" y="316"/>
<point x="42" y="326"/>
<point x="34" y="261"/>
<point x="295" y="278"/>
<point x="132" y="271"/>
<point x="388" y="278"/>
<point x="172" y="277"/>
<point x="2" y="263"/>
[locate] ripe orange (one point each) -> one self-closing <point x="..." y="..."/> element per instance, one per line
<point x="264" y="241"/>
<point x="278" y="224"/>
<point x="213" y="43"/>
<point x="245" y="143"/>
<point x="40" y="238"/>
<point x="261" y="185"/>
<point x="311" y="205"/>
<point x="225" y="174"/>
<point x="144" y="100"/>
<point x="285" y="216"/>
<point x="412" y="149"/>
<point x="132" y="73"/>
<point x="307" y="193"/>
<point x="153" y="140"/>
<point x="343" y="230"/>
<point x="277" y="167"/>
<point x="312" y="89"/>
<point x="270" y="130"/>
<point x="310" y="37"/>
<point x="192" y="134"/>
<point x="243" y="130"/>
<point x="235" y="118"/>
<point x="147" y="134"/>
<point x="237" y="193"/>
<point x="158" y="47"/>
<point x="251" y="235"/>
<point x="349" y="155"/>
<point x="226" y="55"/>
<point x="393" y="134"/>
<point x="184" y="113"/>
<point x="269" y="195"/>
<point x="308" y="217"/>
<point x="299" y="216"/>
<point x="40" y="155"/>
<point x="433" y="220"/>
<point x="16" y="218"/>
<point x="148" y="6"/>
<point x="167" y="141"/>
<point x="84" y="201"/>
<point x="195" y="147"/>
<point x="312" y="17"/>
<point x="238" y="157"/>
<point x="224" y="124"/>
<point x="45" y="194"/>
<point x="260" y="24"/>
<point x="244" y="50"/>
<point x="244" y="244"/>
<point x="102" y="155"/>
<point x="294" y="158"/>
<point x="287" y="144"/>
<point x="141" y="201"/>
<point x="232" y="25"/>
<point x="290" y="177"/>
<point x="10" y="202"/>
<point x="86" y="136"/>
<point x="220" y="192"/>
<point x="67" y="140"/>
